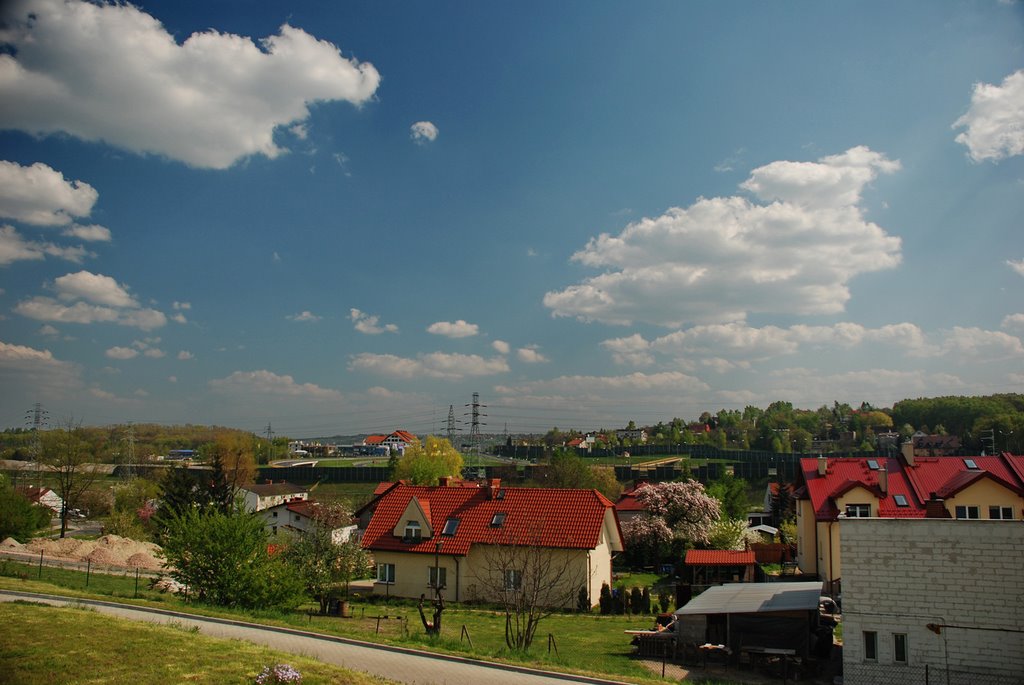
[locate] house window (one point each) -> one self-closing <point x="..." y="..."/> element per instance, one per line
<point x="870" y="645"/>
<point x="1005" y="513"/>
<point x="498" y="519"/>
<point x="275" y="514"/>
<point x="968" y="513"/>
<point x="858" y="510"/>
<point x="432" y="577"/>
<point x="385" y="573"/>
<point x="901" y="501"/>
<point x="450" y="526"/>
<point x="412" y="530"/>
<point x="899" y="648"/>
<point x="513" y="579"/>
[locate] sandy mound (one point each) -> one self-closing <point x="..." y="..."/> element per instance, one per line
<point x="11" y="543"/>
<point x="111" y="550"/>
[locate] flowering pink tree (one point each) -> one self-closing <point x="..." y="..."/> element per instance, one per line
<point x="646" y="538"/>
<point x="685" y="509"/>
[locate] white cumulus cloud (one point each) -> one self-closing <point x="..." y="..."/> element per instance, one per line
<point x="15" y="248"/>
<point x="423" y="132"/>
<point x="1017" y="265"/>
<point x="457" y="329"/>
<point x="266" y="383"/>
<point x="430" y="365"/>
<point x="633" y="350"/>
<point x="365" y="323"/>
<point x="112" y="72"/>
<point x="38" y="194"/>
<point x="995" y="121"/>
<point x="501" y="347"/>
<point x="93" y="233"/>
<point x="85" y="297"/>
<point x="531" y="355"/>
<point x="305" y="316"/>
<point x="185" y="355"/>
<point x="122" y="353"/>
<point x="95" y="288"/>
<point x="720" y="259"/>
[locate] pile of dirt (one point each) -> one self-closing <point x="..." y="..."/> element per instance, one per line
<point x="111" y="550"/>
<point x="11" y="543"/>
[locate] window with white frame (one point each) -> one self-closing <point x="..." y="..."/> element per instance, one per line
<point x="413" y="530"/>
<point x="385" y="573"/>
<point x="513" y="579"/>
<point x="870" y="645"/>
<point x="858" y="510"/>
<point x="438" y="577"/>
<point x="1004" y="513"/>
<point x="899" y="648"/>
<point x="968" y="512"/>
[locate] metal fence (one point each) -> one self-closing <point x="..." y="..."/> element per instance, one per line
<point x="910" y="674"/>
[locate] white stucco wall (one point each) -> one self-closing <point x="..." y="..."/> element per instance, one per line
<point x="901" y="575"/>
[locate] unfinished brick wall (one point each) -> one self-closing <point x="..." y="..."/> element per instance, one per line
<point x="964" y="577"/>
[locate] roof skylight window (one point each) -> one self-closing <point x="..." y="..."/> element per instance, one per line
<point x="970" y="463"/>
<point x="873" y="464"/>
<point x="901" y="500"/>
<point x="498" y="519"/>
<point x="450" y="526"/>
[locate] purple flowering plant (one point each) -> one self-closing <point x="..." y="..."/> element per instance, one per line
<point x="281" y="673"/>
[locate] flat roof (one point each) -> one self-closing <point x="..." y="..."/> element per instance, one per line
<point x="753" y="598"/>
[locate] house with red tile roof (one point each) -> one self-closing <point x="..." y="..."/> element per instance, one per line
<point x="450" y="534"/>
<point x="627" y="506"/>
<point x="374" y="439"/>
<point x="299" y="516"/>
<point x="42" y="496"/>
<point x="908" y="486"/>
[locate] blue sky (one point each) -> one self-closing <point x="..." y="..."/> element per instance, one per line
<point x="346" y="217"/>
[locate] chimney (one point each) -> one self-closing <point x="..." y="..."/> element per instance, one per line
<point x="822" y="465"/>
<point x="907" y="450"/>
<point x="935" y="508"/>
<point x="493" y="485"/>
<point x="883" y="480"/>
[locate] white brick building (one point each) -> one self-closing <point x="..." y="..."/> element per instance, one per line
<point x="939" y="599"/>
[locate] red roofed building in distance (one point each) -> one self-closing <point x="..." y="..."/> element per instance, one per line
<point x="907" y="486"/>
<point x="460" y="525"/>
<point x="716" y="566"/>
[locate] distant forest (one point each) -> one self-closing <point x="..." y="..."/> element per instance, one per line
<point x="984" y="423"/>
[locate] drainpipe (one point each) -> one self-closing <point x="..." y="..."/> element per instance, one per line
<point x="457" y="583"/>
<point x="830" y="578"/>
<point x="590" y="579"/>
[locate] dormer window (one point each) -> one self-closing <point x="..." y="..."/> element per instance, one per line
<point x="497" y="519"/>
<point x="412" y="531"/>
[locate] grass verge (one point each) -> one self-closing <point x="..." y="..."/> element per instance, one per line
<point x="102" y="650"/>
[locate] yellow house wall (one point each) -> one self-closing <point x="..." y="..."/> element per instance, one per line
<point x="984" y="494"/>
<point x="412" y="573"/>
<point x="806" y="551"/>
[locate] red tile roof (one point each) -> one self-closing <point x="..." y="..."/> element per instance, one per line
<point x="719" y="557"/>
<point x="404" y="436"/>
<point x="533" y="516"/>
<point x="944" y="476"/>
<point x="628" y="501"/>
<point x="374" y="439"/>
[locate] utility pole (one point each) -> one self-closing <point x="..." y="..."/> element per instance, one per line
<point x="452" y="429"/>
<point x="36" y="418"/>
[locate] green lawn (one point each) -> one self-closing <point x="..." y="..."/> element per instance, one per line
<point x="103" y="650"/>
<point x="591" y="643"/>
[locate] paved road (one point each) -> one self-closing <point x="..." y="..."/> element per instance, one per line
<point x="404" y="665"/>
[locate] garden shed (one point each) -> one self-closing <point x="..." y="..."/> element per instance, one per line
<point x="751" y="618"/>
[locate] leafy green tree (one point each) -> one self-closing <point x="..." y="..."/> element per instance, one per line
<point x="19" y="518"/>
<point x="224" y="560"/>
<point x="427" y="463"/>
<point x="326" y="565"/>
<point x="731" y="493"/>
<point x="180" y="492"/>
<point x="568" y="470"/>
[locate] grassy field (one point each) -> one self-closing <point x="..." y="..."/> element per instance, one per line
<point x="102" y="650"/>
<point x="587" y="643"/>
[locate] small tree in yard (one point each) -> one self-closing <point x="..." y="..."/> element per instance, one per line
<point x="324" y="564"/>
<point x="66" y="452"/>
<point x="530" y="582"/>
<point x="223" y="559"/>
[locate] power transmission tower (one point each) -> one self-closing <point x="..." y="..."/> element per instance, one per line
<point x="269" y="432"/>
<point x="474" y="426"/>
<point x="130" y="439"/>
<point x="452" y="428"/>
<point x="36" y="419"/>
